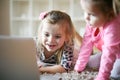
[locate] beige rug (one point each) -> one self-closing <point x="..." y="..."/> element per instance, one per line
<point x="72" y="75"/>
<point x="88" y="74"/>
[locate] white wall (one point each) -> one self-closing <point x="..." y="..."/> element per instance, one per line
<point x="4" y="17"/>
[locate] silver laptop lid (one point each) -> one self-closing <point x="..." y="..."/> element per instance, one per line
<point x="17" y="59"/>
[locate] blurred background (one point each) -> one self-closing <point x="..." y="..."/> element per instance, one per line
<point x="20" y="17"/>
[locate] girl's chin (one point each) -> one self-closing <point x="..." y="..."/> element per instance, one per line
<point x="51" y="50"/>
<point x="94" y="26"/>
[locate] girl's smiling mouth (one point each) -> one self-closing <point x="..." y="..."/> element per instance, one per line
<point x="51" y="46"/>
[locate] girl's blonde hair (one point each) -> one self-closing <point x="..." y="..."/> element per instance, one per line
<point x="60" y="18"/>
<point x="107" y="6"/>
<point x="116" y="6"/>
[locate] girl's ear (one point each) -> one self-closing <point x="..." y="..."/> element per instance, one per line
<point x="110" y="15"/>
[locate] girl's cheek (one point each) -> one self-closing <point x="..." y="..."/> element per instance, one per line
<point x="93" y="20"/>
<point x="58" y="40"/>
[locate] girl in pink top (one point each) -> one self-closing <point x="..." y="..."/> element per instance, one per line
<point x="102" y="31"/>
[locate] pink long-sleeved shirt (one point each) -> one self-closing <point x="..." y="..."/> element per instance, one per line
<point x="107" y="39"/>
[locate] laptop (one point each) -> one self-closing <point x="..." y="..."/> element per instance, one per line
<point x="18" y="59"/>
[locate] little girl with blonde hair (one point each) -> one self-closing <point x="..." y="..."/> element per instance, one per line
<point x="103" y="31"/>
<point x="55" y="42"/>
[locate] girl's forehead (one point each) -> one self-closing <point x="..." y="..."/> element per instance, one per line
<point x="53" y="28"/>
<point x="90" y="7"/>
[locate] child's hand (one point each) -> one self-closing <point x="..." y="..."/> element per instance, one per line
<point x="40" y="64"/>
<point x="77" y="71"/>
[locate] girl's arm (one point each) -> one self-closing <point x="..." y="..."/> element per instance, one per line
<point x="52" y="69"/>
<point x="85" y="51"/>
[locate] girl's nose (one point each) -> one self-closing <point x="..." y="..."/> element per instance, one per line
<point x="86" y="16"/>
<point x="51" y="39"/>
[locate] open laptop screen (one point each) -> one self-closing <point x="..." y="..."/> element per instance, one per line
<point x="17" y="59"/>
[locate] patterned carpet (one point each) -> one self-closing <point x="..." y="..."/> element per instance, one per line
<point x="88" y="74"/>
<point x="72" y="75"/>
